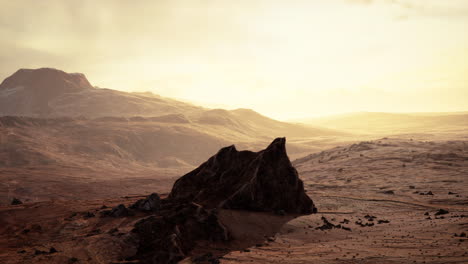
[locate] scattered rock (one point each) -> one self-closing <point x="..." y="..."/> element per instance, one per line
<point x="427" y="193"/>
<point x="389" y="192"/>
<point x="345" y="228"/>
<point x="360" y="223"/>
<point x="441" y="212"/>
<point x="328" y="225"/>
<point x="16" y="201"/>
<point x="370" y="217"/>
<point x="383" y="222"/>
<point x="39" y="252"/>
<point x="345" y="221"/>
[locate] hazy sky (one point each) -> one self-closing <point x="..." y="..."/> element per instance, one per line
<point x="285" y="59"/>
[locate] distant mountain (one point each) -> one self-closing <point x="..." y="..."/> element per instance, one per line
<point x="53" y="117"/>
<point x="51" y="93"/>
<point x="48" y="92"/>
<point x="391" y="123"/>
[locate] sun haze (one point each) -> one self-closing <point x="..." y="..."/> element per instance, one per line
<point x="285" y="59"/>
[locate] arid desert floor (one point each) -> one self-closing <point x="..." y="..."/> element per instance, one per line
<point x="393" y="200"/>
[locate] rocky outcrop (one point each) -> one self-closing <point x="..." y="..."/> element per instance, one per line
<point x="246" y="180"/>
<point x="231" y="179"/>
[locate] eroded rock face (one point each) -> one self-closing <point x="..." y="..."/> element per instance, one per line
<point x="246" y="180"/>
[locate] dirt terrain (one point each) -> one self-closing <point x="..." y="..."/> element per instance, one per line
<point x="361" y="187"/>
<point x="392" y="200"/>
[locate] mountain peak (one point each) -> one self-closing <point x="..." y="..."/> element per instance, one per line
<point x="48" y="80"/>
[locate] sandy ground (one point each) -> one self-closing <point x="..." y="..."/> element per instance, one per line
<point x="379" y="191"/>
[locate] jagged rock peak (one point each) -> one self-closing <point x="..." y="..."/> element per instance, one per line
<point x="46" y="79"/>
<point x="246" y="180"/>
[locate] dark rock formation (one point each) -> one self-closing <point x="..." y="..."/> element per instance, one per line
<point x="245" y="180"/>
<point x="257" y="181"/>
<point x="151" y="203"/>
